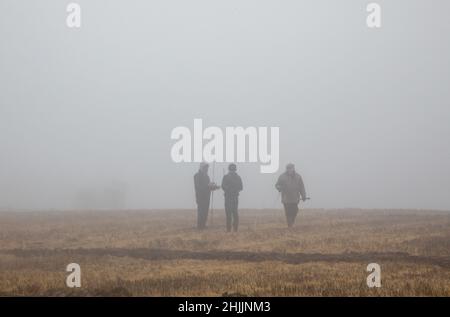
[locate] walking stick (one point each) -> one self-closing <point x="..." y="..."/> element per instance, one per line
<point x="274" y="205"/>
<point x="212" y="196"/>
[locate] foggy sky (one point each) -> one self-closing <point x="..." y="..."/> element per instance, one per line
<point x="363" y="113"/>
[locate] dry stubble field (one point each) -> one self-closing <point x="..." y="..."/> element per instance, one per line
<point x="159" y="253"/>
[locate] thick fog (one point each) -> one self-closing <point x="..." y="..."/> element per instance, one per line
<point x="86" y="114"/>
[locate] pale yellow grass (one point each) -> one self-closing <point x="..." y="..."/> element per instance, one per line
<point x="325" y="254"/>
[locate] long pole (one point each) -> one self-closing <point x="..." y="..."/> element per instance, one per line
<point x="212" y="194"/>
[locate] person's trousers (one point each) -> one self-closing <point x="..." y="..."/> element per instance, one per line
<point x="231" y="211"/>
<point x="291" y="211"/>
<point x="202" y="213"/>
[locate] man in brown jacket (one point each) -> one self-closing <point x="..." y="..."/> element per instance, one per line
<point x="290" y="185"/>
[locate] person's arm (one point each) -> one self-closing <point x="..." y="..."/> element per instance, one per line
<point x="241" y="187"/>
<point x="302" y="188"/>
<point x="196" y="186"/>
<point x="196" y="183"/>
<point x="278" y="185"/>
<point x="224" y="185"/>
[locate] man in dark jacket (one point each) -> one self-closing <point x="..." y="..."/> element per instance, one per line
<point x="232" y="185"/>
<point x="290" y="185"/>
<point x="203" y="188"/>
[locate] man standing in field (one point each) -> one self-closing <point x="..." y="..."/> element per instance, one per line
<point x="290" y="185"/>
<point x="232" y="185"/>
<point x="203" y="189"/>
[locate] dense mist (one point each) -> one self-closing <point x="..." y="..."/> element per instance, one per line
<point x="86" y="114"/>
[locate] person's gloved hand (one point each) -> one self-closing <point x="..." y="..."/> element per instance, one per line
<point x="213" y="186"/>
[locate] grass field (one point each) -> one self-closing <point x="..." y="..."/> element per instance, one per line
<point x="159" y="253"/>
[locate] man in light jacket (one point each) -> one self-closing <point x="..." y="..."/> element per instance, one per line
<point x="292" y="189"/>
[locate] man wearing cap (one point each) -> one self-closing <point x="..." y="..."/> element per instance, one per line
<point x="203" y="188"/>
<point x="232" y="185"/>
<point x="290" y="185"/>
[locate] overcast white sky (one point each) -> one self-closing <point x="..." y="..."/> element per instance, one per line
<point x="364" y="114"/>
